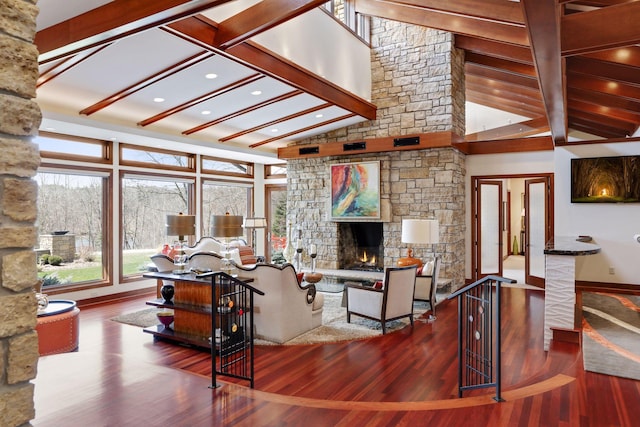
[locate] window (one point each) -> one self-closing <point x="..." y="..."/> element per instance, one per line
<point x="211" y="165"/>
<point x="146" y="202"/>
<point x="71" y="221"/>
<point x="54" y="146"/>
<point x="275" y="171"/>
<point x="219" y="197"/>
<point x="132" y="155"/>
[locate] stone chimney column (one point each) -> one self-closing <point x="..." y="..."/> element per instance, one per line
<point x="19" y="159"/>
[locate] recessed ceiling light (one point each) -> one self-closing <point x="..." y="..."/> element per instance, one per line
<point x="210" y="76"/>
<point x="158" y="99"/>
<point x="318" y="116"/>
<point x="205" y="112"/>
<point x="274" y="130"/>
<point x="256" y="92"/>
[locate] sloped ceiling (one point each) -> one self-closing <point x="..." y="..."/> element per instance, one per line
<point x="567" y="66"/>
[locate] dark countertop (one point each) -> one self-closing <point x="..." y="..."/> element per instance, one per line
<point x="572" y="246"/>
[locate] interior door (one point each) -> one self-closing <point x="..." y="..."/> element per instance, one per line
<point x="536" y="226"/>
<point x="489" y="228"/>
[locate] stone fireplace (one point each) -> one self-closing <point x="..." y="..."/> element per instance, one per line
<point x="360" y="246"/>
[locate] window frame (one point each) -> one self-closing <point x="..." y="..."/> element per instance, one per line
<point x="107" y="225"/>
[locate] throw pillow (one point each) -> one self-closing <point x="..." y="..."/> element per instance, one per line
<point x="299" y="276"/>
<point x="246" y="255"/>
<point x="378" y="285"/>
<point x="427" y="268"/>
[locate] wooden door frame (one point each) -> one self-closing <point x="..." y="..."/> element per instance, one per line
<point x="474" y="221"/>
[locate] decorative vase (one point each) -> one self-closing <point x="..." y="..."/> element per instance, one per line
<point x="167" y="292"/>
<point x="289" y="251"/>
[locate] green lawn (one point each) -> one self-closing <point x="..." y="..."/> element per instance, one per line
<point x="133" y="262"/>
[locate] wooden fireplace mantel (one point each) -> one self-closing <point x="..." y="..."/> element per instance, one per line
<point x="371" y="145"/>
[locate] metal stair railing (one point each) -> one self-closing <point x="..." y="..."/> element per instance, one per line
<point x="479" y="337"/>
<point x="231" y="328"/>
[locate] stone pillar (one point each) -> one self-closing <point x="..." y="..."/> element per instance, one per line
<point x="19" y="159"/>
<point x="418" y="87"/>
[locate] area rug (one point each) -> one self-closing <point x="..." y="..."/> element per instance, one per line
<point x="141" y="318"/>
<point x="334" y="326"/>
<point x="611" y="334"/>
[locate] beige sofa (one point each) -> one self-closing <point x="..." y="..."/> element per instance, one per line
<point x="286" y="310"/>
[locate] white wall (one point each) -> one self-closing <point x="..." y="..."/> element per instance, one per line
<point x="612" y="226"/>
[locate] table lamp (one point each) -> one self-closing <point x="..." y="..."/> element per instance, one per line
<point x="226" y="226"/>
<point x="418" y="231"/>
<point x="253" y="224"/>
<point x="180" y="225"/>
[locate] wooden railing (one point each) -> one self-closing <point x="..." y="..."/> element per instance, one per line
<point x="479" y="340"/>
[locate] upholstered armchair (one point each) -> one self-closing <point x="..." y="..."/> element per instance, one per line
<point x="427" y="282"/>
<point x="393" y="301"/>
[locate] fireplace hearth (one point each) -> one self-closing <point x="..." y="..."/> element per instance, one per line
<point x="360" y="246"/>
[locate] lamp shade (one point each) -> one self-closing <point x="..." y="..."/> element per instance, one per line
<point x="226" y="225"/>
<point x="255" y="222"/>
<point x="181" y="225"/>
<point x="420" y="231"/>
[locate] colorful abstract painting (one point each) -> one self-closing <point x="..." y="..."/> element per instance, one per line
<point x="355" y="190"/>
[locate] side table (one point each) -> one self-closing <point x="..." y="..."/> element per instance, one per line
<point x="57" y="327"/>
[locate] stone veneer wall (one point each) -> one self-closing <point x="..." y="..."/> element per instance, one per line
<point x="19" y="159"/>
<point x="418" y="87"/>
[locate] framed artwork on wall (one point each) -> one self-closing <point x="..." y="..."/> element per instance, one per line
<point x="355" y="190"/>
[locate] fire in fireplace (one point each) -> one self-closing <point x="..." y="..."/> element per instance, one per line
<point x="360" y="246"/>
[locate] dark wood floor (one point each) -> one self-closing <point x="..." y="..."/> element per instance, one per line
<point x="121" y="377"/>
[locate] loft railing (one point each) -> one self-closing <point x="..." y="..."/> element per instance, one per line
<point x="344" y="11"/>
<point x="231" y="327"/>
<point x="479" y="337"/>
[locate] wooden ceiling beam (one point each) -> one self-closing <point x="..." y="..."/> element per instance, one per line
<point x="497" y="10"/>
<point x="599" y="29"/>
<point x="629" y="55"/>
<point x="494" y="48"/>
<point x="146" y="82"/>
<point x="499" y="75"/>
<point x="481" y="84"/>
<point x="243" y="111"/>
<point x="446" y="19"/>
<point x="500" y="64"/>
<point x="258" y="18"/>
<point x="616" y="113"/>
<point x="113" y="21"/>
<point x="595" y="128"/>
<point x="604" y="100"/>
<point x="274" y="122"/>
<point x="596" y="83"/>
<point x="503" y="92"/>
<point x="543" y="23"/>
<point x="519" y="145"/>
<point x="605" y="70"/>
<point x="201" y="31"/>
<point x="624" y="128"/>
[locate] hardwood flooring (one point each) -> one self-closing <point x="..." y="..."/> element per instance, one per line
<point x="120" y="376"/>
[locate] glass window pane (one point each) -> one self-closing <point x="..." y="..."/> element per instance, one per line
<point x="277" y="222"/>
<point x="154" y="157"/>
<point x="71" y="223"/>
<point x="145" y="206"/>
<point x="76" y="148"/>
<point x="220" y="198"/>
<point x="490" y="226"/>
<point x="226" y="167"/>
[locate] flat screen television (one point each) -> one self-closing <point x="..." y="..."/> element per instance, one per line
<point x="605" y="180"/>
